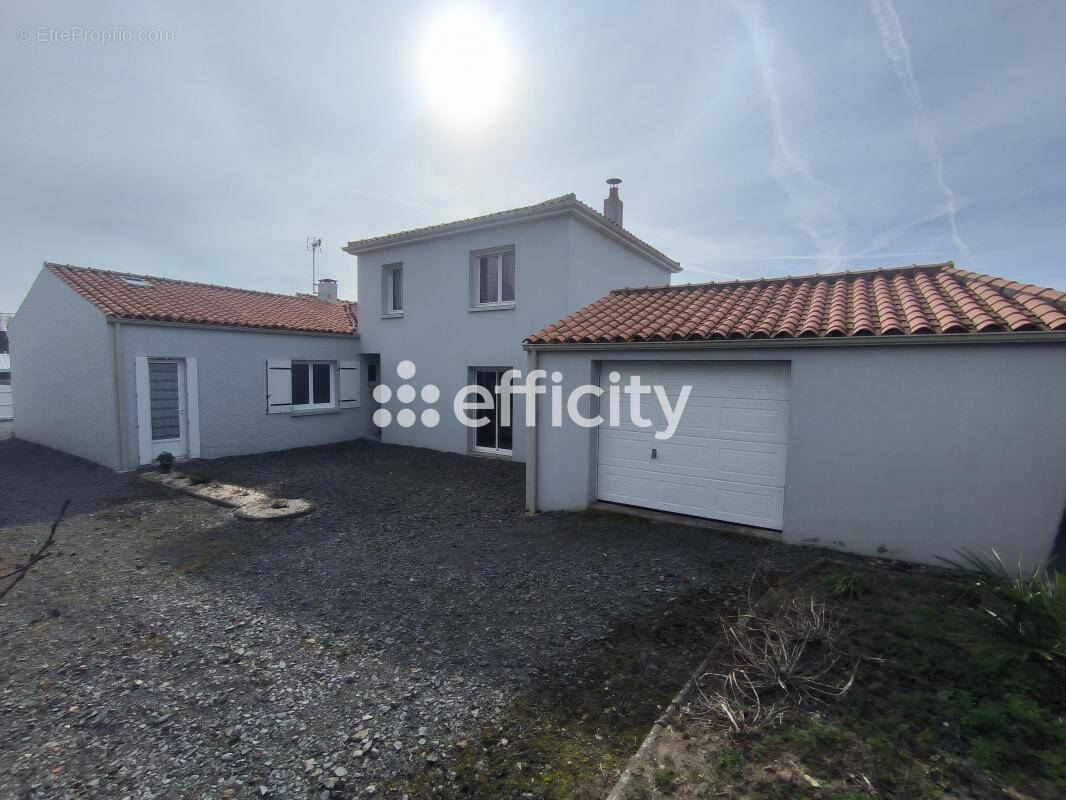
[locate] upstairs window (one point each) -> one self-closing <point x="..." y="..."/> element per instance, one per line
<point x="312" y="385"/>
<point x="392" y="289"/>
<point x="494" y="278"/>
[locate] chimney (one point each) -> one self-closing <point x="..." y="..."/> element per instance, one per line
<point x="612" y="206"/>
<point x="327" y="290"/>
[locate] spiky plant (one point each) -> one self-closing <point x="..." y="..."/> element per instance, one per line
<point x="1025" y="619"/>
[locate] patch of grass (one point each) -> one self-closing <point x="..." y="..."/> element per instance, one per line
<point x="573" y="733"/>
<point x="726" y="762"/>
<point x="664" y="781"/>
<point x="926" y="717"/>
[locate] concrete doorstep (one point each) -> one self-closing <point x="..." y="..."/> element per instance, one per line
<point x="246" y="503"/>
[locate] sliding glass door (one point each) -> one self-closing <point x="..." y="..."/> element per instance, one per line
<point x="493" y="437"/>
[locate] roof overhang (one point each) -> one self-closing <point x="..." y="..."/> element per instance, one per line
<point x="572" y="207"/>
<point x="161" y="323"/>
<point x="906" y="340"/>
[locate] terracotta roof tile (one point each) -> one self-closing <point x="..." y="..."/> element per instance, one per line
<point x="935" y="299"/>
<point x="169" y="300"/>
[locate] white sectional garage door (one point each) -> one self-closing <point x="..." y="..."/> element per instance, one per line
<point x="727" y="459"/>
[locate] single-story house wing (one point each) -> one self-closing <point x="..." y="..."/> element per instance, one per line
<point x="909" y="412"/>
<point x="118" y="368"/>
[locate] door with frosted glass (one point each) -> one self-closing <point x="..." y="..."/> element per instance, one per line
<point x="166" y="388"/>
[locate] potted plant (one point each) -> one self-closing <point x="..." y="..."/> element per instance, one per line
<point x="165" y="460"/>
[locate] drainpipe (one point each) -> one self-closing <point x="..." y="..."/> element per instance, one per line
<point x="531" y="445"/>
<point x="120" y="394"/>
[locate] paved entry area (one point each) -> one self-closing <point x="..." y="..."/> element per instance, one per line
<point x="166" y="649"/>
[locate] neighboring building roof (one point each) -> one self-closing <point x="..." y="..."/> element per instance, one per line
<point x="567" y="203"/>
<point x="122" y="295"/>
<point x="917" y="300"/>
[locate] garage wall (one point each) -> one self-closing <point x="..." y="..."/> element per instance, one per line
<point x="231" y="370"/>
<point x="63" y="375"/>
<point x="910" y="452"/>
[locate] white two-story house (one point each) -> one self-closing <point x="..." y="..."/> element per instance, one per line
<point x="457" y="300"/>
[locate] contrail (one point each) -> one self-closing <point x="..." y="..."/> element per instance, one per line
<point x="815" y="203"/>
<point x="899" y="53"/>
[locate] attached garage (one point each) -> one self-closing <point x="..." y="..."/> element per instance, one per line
<point x="727" y="460"/>
<point x="907" y="413"/>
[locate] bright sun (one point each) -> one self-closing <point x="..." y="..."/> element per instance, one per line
<point x="465" y="67"/>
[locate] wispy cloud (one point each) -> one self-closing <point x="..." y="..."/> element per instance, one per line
<point x="815" y="204"/>
<point x="899" y="53"/>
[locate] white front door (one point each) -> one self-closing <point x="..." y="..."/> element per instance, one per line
<point x="727" y="459"/>
<point x="166" y="396"/>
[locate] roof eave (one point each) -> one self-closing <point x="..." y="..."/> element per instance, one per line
<point x="1020" y="337"/>
<point x="526" y="215"/>
<point x="163" y="323"/>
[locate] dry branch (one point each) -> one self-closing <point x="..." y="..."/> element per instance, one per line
<point x="772" y="662"/>
<point x="20" y="570"/>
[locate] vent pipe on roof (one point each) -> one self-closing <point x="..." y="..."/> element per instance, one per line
<point x="612" y="206"/>
<point x="327" y="290"/>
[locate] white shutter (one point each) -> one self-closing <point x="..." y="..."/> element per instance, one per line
<point x="349" y="391"/>
<point x="144" y="412"/>
<point x="192" y="411"/>
<point x="279" y="386"/>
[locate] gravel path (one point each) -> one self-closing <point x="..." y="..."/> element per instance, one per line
<point x="167" y="649"/>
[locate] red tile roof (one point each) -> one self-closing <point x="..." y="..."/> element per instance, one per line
<point x="168" y="300"/>
<point x="930" y="299"/>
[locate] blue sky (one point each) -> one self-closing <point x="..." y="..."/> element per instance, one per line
<point x="753" y="138"/>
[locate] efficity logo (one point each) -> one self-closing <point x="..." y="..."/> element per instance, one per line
<point x="472" y="403"/>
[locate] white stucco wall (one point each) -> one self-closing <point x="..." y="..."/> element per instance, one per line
<point x="911" y="452"/>
<point x="561" y="264"/>
<point x="231" y="369"/>
<point x="61" y="352"/>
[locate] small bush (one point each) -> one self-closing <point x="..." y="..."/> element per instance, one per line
<point x="849" y="583"/>
<point x="199" y="476"/>
<point x="1021" y="617"/>
<point x="165" y="461"/>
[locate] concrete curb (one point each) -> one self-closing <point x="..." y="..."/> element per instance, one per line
<point x="246" y="503"/>
<point x="667" y="717"/>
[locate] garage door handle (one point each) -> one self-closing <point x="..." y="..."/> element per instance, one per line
<point x="654" y="452"/>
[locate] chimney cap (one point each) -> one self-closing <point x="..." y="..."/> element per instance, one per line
<point x="614" y="181"/>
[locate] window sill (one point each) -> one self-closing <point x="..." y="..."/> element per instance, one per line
<point x="493" y="307"/>
<point x="312" y="412"/>
<point x="392" y="315"/>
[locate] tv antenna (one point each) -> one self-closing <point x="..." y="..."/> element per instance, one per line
<point x="314" y="245"/>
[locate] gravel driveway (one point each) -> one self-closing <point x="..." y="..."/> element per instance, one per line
<point x="167" y="649"/>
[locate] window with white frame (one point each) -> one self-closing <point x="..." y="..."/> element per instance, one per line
<point x="392" y="289"/>
<point x="494" y="278"/>
<point x="312" y="385"/>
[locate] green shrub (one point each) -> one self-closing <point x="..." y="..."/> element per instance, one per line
<point x="1021" y="617"/>
<point x="165" y="461"/>
<point x="198" y="476"/>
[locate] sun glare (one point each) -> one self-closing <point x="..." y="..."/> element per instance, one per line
<point x="465" y="67"/>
